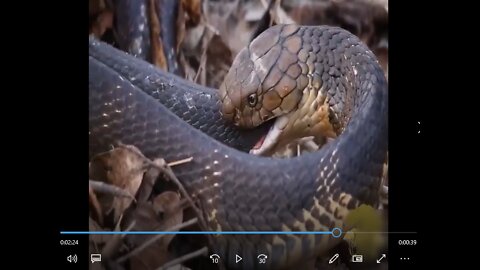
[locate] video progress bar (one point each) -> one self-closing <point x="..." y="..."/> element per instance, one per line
<point x="336" y="232"/>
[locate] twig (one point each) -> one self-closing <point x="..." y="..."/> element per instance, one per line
<point x="112" y="245"/>
<point x="183" y="203"/>
<point x="148" y="181"/>
<point x="155" y="238"/>
<point x="179" y="162"/>
<point x="166" y="170"/>
<point x="279" y="15"/>
<point x="153" y="163"/>
<point x="203" y="59"/>
<point x="186" y="257"/>
<point x="151" y="175"/>
<point x="169" y="173"/>
<point x="95" y="204"/>
<point x="102" y="187"/>
<point x="212" y="28"/>
<point x="210" y="34"/>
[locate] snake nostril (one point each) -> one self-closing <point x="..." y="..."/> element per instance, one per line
<point x="228" y="116"/>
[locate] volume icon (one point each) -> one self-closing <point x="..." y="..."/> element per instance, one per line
<point x="72" y="258"/>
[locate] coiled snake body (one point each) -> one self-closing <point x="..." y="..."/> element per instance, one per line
<point x="165" y="116"/>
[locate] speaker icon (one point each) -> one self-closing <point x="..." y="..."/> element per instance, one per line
<point x="72" y="258"/>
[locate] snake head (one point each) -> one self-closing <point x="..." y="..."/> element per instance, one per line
<point x="241" y="94"/>
<point x="266" y="81"/>
<point x="262" y="82"/>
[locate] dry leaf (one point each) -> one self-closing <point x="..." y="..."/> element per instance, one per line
<point x="95" y="206"/>
<point x="235" y="23"/>
<point x="102" y="23"/>
<point x="164" y="213"/>
<point x="218" y="61"/>
<point x="230" y="22"/>
<point x="96" y="241"/>
<point x="367" y="19"/>
<point x="123" y="167"/>
<point x="168" y="204"/>
<point x="192" y="41"/>
<point x="193" y="11"/>
<point x="150" y="258"/>
<point x="95" y="7"/>
<point x="266" y="20"/>
<point x="181" y="26"/>
<point x="149" y="179"/>
<point x="114" y="244"/>
<point x="158" y="55"/>
<point x="167" y="28"/>
<point x="215" y="56"/>
<point x="205" y="53"/>
<point x="278" y="15"/>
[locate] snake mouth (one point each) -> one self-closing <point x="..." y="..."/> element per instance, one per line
<point x="269" y="141"/>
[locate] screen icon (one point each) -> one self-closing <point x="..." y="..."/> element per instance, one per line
<point x="72" y="258"/>
<point x="381" y="258"/>
<point x="237" y="258"/>
<point x="96" y="257"/>
<point x="357" y="258"/>
<point x="334" y="258"/>
<point x="262" y="258"/>
<point x="214" y="258"/>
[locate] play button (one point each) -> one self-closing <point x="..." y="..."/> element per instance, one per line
<point x="237" y="258"/>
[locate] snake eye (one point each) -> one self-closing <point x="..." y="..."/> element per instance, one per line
<point x="252" y="100"/>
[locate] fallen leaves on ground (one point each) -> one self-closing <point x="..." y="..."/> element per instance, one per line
<point x="124" y="175"/>
<point x="367" y="19"/>
<point x="123" y="167"/>
<point x="178" y="30"/>
<point x="165" y="212"/>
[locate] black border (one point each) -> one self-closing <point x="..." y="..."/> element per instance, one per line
<point x="70" y="143"/>
<point x="421" y="52"/>
<point x="57" y="94"/>
<point x="47" y="100"/>
<point x="406" y="149"/>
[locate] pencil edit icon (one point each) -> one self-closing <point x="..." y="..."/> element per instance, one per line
<point x="96" y="257"/>
<point x="334" y="258"/>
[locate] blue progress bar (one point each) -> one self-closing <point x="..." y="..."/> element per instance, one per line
<point x="336" y="232"/>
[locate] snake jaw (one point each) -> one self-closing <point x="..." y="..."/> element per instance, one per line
<point x="310" y="120"/>
<point x="268" y="142"/>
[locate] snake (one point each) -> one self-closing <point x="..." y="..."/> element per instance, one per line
<point x="282" y="76"/>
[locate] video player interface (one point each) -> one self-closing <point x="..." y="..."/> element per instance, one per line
<point x="240" y="135"/>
